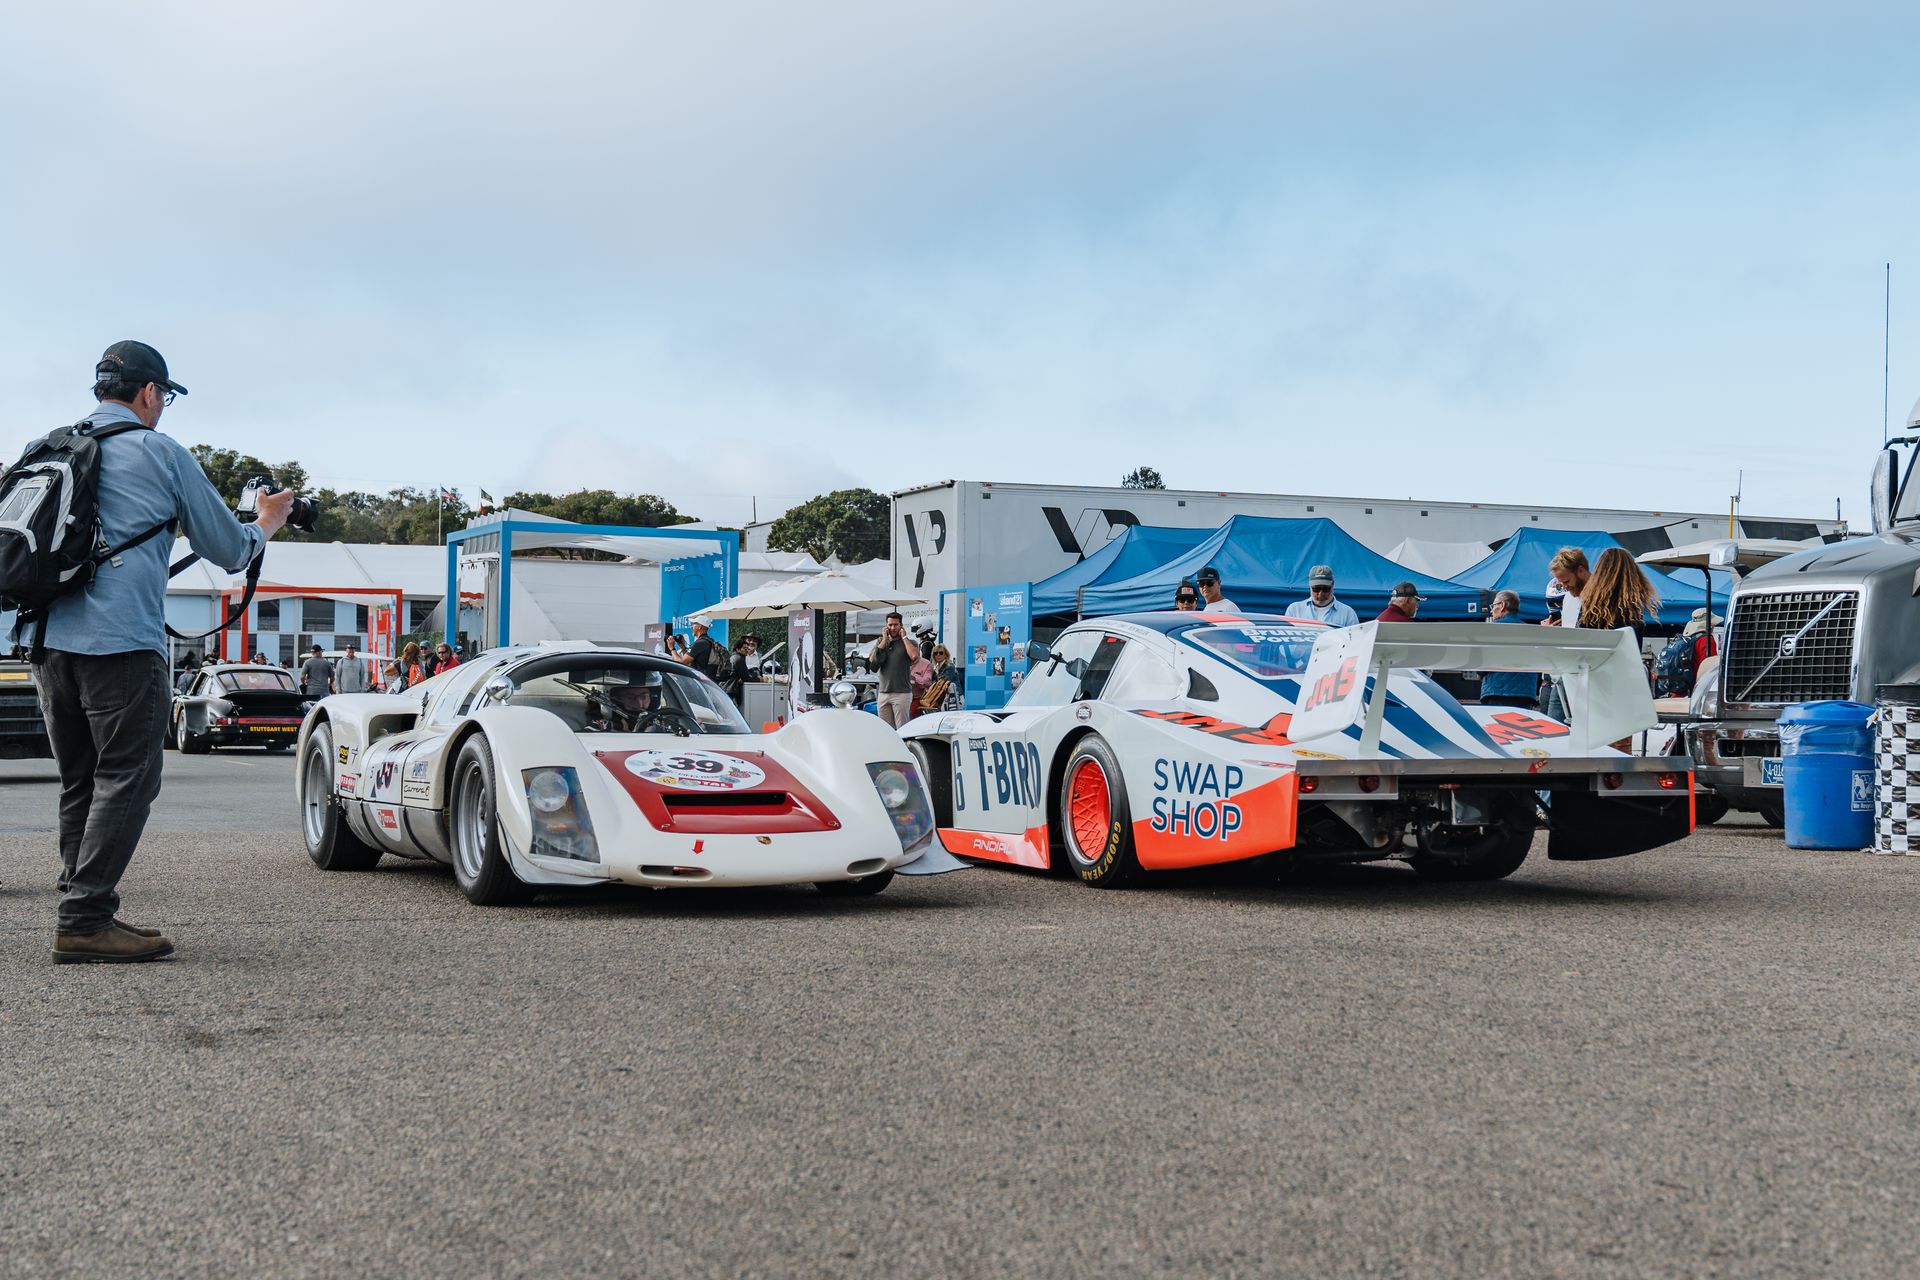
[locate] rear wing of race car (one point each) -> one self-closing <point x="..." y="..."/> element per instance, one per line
<point x="1605" y="680"/>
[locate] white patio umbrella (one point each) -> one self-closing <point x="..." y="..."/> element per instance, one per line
<point x="832" y="592"/>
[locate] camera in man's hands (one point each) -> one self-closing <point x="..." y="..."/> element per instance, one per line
<point x="301" y="515"/>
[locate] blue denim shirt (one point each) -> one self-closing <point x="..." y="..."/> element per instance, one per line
<point x="145" y="478"/>
<point x="1510" y="684"/>
<point x="1335" y="613"/>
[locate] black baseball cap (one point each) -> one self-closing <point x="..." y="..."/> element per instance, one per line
<point x="1208" y="574"/>
<point x="135" y="362"/>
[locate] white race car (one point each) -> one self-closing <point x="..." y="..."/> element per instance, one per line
<point x="575" y="764"/>
<point x="1156" y="741"/>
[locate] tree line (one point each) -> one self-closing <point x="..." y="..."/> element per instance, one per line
<point x="852" y="524"/>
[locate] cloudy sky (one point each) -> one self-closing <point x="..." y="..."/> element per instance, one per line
<point x="1480" y="251"/>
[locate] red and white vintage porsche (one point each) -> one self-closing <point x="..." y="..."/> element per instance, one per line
<point x="577" y="764"/>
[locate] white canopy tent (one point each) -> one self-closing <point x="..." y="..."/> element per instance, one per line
<point x="1435" y="559"/>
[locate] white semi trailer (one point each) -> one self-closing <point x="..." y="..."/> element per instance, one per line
<point x="975" y="532"/>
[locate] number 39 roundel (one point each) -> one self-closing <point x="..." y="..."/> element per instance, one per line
<point x="695" y="770"/>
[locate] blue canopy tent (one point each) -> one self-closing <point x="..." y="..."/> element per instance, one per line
<point x="1264" y="562"/>
<point x="1136" y="550"/>
<point x="1520" y="566"/>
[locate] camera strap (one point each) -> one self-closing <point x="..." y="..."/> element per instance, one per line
<point x="239" y="610"/>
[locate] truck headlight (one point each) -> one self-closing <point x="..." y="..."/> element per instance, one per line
<point x="1705" y="702"/>
<point x="561" y="827"/>
<point x="904" y="797"/>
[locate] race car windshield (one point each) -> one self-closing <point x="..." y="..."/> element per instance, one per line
<point x="1263" y="652"/>
<point x="254" y="681"/>
<point x="615" y="695"/>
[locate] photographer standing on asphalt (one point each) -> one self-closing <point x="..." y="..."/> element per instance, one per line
<point x="103" y="676"/>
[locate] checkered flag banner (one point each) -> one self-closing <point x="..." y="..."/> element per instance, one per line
<point x="1896" y="742"/>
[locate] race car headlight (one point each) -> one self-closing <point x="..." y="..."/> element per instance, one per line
<point x="561" y="827"/>
<point x="905" y="798"/>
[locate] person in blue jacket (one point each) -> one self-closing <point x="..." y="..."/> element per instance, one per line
<point x="1509" y="688"/>
<point x="1320" y="606"/>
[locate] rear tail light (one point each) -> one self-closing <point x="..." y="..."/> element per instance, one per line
<point x="1611" y="781"/>
<point x="1309" y="785"/>
<point x="1369" y="782"/>
<point x="1669" y="782"/>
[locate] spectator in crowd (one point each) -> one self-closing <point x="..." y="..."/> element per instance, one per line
<point x="1403" y="605"/>
<point x="191" y="662"/>
<point x="752" y="655"/>
<point x="393" y="677"/>
<point x="893" y="656"/>
<point x="411" y="671"/>
<point x="1186" y="596"/>
<point x="444" y="658"/>
<point x="1617" y="594"/>
<point x="351" y="676"/>
<point x="948" y="681"/>
<point x="429" y="662"/>
<point x="1570" y="572"/>
<point x="738" y="674"/>
<point x="316" y="674"/>
<point x="1509" y="688"/>
<point x="1320" y="605"/>
<point x="1677" y="669"/>
<point x="1214" y="601"/>
<point x="677" y="648"/>
<point x="700" y="654"/>
<point x="209" y="661"/>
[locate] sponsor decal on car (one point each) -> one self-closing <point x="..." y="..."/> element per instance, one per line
<point x="344" y="755"/>
<point x="1271" y="734"/>
<point x="989" y="773"/>
<point x="695" y="770"/>
<point x="419" y="768"/>
<point x="1518" y="726"/>
<point x="1195" y="798"/>
<point x="413" y="789"/>
<point x="349" y="783"/>
<point x="389" y="818"/>
<point x="383" y="777"/>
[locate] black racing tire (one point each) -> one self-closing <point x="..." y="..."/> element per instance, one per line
<point x="1774" y="813"/>
<point x="330" y="841"/>
<point x="1708" y="808"/>
<point x="187" y="742"/>
<point x="480" y="864"/>
<point x="864" y="887"/>
<point x="934" y="760"/>
<point x="1096" y="824"/>
<point x="1494" y="855"/>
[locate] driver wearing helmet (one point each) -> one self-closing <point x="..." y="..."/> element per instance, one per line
<point x="627" y="704"/>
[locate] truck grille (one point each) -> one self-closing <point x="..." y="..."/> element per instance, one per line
<point x="1821" y="665"/>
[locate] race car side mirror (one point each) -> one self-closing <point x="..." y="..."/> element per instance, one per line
<point x="844" y="693"/>
<point x="1039" y="651"/>
<point x="497" y="691"/>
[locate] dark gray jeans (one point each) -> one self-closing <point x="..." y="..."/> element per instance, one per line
<point x="107" y="717"/>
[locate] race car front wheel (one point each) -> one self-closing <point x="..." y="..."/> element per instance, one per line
<point x="330" y="842"/>
<point x="479" y="862"/>
<point x="1096" y="825"/>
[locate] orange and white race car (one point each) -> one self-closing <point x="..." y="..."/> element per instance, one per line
<point x="1157" y="741"/>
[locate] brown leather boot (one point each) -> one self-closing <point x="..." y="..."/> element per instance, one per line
<point x="138" y="930"/>
<point x="112" y="945"/>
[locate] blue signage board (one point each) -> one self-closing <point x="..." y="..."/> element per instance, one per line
<point x="998" y="628"/>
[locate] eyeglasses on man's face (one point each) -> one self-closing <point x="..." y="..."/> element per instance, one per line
<point x="1318" y="587"/>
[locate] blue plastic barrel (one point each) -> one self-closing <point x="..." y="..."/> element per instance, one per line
<point x="1827" y="765"/>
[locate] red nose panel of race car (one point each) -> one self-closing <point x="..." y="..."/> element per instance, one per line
<point x="717" y="792"/>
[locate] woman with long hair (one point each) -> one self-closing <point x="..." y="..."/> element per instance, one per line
<point x="1618" y="595"/>
<point x="410" y="664"/>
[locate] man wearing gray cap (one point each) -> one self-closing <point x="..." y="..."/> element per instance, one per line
<point x="102" y="662"/>
<point x="1321" y="606"/>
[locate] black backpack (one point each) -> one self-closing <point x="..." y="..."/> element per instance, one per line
<point x="51" y="543"/>
<point x="1673" y="673"/>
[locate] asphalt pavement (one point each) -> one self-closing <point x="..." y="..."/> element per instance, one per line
<point x="1695" y="1062"/>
